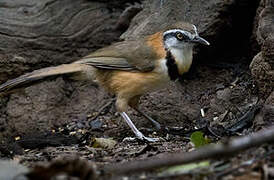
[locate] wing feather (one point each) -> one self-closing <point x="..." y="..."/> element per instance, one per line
<point x="107" y="63"/>
<point x="127" y="56"/>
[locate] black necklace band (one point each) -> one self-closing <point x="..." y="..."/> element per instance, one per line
<point x="172" y="66"/>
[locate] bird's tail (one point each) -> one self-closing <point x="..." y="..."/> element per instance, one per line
<point x="77" y="70"/>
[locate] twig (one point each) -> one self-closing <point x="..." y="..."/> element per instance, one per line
<point x="211" y="151"/>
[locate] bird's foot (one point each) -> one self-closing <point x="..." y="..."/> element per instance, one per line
<point x="138" y="134"/>
<point x="148" y="139"/>
<point x="142" y="138"/>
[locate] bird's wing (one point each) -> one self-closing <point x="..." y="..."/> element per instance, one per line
<point x="127" y="56"/>
<point x="107" y="63"/>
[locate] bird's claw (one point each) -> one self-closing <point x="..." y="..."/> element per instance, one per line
<point x="148" y="139"/>
<point x="142" y="138"/>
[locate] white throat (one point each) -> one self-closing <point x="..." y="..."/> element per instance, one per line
<point x="183" y="58"/>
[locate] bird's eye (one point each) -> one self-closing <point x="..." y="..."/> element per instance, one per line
<point x="179" y="36"/>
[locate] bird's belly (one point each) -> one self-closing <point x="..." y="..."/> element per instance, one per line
<point x="136" y="83"/>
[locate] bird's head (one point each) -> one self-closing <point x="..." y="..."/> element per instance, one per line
<point x="182" y="35"/>
<point x="175" y="44"/>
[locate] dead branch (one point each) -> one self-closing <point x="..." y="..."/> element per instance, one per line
<point x="213" y="151"/>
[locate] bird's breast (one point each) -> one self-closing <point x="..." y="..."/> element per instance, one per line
<point x="176" y="63"/>
<point x="183" y="58"/>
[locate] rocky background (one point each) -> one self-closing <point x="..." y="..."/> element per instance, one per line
<point x="227" y="79"/>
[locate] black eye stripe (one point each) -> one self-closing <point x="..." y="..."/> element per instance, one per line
<point x="174" y="34"/>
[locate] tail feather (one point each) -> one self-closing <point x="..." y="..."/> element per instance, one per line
<point x="40" y="75"/>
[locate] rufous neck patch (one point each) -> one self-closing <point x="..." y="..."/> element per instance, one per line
<point x="156" y="42"/>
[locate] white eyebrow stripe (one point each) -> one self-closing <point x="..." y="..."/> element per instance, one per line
<point x="176" y="30"/>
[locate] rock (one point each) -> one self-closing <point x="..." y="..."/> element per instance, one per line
<point x="262" y="65"/>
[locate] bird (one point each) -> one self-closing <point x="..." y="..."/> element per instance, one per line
<point x="128" y="69"/>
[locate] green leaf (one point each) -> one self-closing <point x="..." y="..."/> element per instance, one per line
<point x="198" y="139"/>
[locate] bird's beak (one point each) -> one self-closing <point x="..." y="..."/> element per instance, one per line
<point x="198" y="39"/>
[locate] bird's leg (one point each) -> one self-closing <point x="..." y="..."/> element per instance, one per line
<point x="133" y="103"/>
<point x="135" y="130"/>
